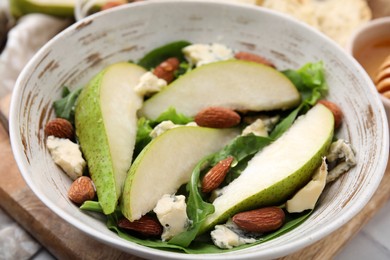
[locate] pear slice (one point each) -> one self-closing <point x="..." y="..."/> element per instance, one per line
<point x="235" y="84"/>
<point x="61" y="8"/>
<point x="278" y="171"/>
<point x="166" y="163"/>
<point x="106" y="126"/>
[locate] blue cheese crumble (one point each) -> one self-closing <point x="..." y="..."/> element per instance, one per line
<point x="257" y="128"/>
<point x="228" y="235"/>
<point x="149" y="84"/>
<point x="341" y="157"/>
<point x="67" y="155"/>
<point x="171" y="211"/>
<point x="200" y="54"/>
<point x="165" y="126"/>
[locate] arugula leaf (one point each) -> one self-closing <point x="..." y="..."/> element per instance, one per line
<point x="236" y="170"/>
<point x="310" y="81"/>
<point x="197" y="209"/>
<point x="142" y="138"/>
<point x="65" y="107"/>
<point x="309" y="76"/>
<point x="207" y="247"/>
<point x="184" y="67"/>
<point x="285" y="124"/>
<point x="175" y="117"/>
<point x="145" y="126"/>
<point x="241" y="147"/>
<point x="158" y="55"/>
<point x="92" y="205"/>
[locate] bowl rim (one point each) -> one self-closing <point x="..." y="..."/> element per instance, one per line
<point x="144" y="251"/>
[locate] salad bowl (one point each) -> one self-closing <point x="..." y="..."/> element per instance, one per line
<point x="81" y="51"/>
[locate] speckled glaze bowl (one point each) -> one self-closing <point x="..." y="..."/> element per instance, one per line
<point x="127" y="33"/>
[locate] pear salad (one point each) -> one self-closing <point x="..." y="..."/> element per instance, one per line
<point x="199" y="148"/>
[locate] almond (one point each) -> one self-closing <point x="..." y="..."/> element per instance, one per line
<point x="260" y="220"/>
<point x="217" y="117"/>
<point x="215" y="176"/>
<point x="60" y="128"/>
<point x="166" y="69"/>
<point x="146" y="226"/>
<point x="81" y="190"/>
<point x="253" y="57"/>
<point x="336" y="110"/>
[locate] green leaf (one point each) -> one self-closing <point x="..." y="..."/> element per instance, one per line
<point x="184" y="67"/>
<point x="143" y="135"/>
<point x="309" y="80"/>
<point x="185" y="242"/>
<point x="206" y="247"/>
<point x="309" y="76"/>
<point x="241" y="147"/>
<point x="236" y="170"/>
<point x="65" y="107"/>
<point x="91" y="205"/>
<point x="158" y="55"/>
<point x="145" y="127"/>
<point x="311" y="83"/>
<point x="285" y="124"/>
<point x="197" y="209"/>
<point x="172" y="115"/>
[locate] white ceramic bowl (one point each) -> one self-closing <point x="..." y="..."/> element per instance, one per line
<point x="367" y="35"/>
<point x="128" y="32"/>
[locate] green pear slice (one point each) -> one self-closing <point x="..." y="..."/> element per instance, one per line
<point x="166" y="163"/>
<point x="106" y="126"/>
<point x="62" y="8"/>
<point x="235" y="84"/>
<point x="274" y="174"/>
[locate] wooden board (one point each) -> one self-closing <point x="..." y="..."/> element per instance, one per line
<point x="59" y="237"/>
<point x="66" y="242"/>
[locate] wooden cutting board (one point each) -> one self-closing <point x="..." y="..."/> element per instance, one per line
<point x="66" y="242"/>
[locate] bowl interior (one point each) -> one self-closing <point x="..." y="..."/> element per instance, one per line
<point x="81" y="51"/>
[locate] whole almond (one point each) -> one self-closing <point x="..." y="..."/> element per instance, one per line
<point x="166" y="69"/>
<point x="146" y="226"/>
<point x="217" y="117"/>
<point x="215" y="176"/>
<point x="336" y="110"/>
<point x="60" y="128"/>
<point x="260" y="220"/>
<point x="253" y="57"/>
<point x="81" y="190"/>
